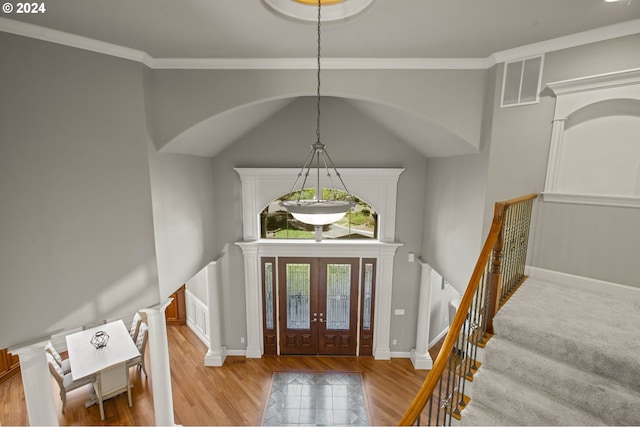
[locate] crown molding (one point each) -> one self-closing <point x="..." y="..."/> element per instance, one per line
<point x="327" y="63"/>
<point x="599" y="81"/>
<point x="72" y="40"/>
<point x="595" y="35"/>
<point x="80" y="42"/>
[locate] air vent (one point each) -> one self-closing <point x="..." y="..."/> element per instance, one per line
<point x="521" y="82"/>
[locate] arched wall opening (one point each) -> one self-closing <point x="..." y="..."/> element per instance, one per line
<point x="214" y="134"/>
<point x="594" y="154"/>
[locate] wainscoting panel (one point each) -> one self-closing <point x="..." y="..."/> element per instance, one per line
<point x="197" y="316"/>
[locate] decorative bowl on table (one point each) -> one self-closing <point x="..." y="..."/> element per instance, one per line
<point x="100" y="339"/>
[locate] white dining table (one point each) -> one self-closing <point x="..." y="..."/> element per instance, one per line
<point x="86" y="360"/>
<point x="107" y="363"/>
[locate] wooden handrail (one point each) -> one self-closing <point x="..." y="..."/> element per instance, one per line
<point x="430" y="383"/>
<point x="496" y="261"/>
<point x="521" y="199"/>
<point x="426" y="390"/>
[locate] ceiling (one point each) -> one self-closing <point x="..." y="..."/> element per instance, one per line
<point x="386" y="29"/>
<point x="468" y="30"/>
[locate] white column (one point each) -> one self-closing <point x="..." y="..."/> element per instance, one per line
<point x="384" y="288"/>
<point x="160" y="369"/>
<point x="253" y="299"/>
<point x="217" y="353"/>
<point x="420" y="356"/>
<point x="36" y="381"/>
<point x="555" y="154"/>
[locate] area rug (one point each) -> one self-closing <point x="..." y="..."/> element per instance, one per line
<point x="321" y="399"/>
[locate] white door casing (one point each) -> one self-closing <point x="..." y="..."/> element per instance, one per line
<point x="377" y="187"/>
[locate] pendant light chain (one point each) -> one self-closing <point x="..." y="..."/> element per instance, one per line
<point x="317" y="211"/>
<point x="318" y="87"/>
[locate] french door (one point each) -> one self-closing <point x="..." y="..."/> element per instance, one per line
<point x="318" y="300"/>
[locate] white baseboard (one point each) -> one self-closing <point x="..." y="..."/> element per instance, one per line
<point x="438" y="337"/>
<point x="400" y="355"/>
<point x="586" y="283"/>
<point x="237" y="353"/>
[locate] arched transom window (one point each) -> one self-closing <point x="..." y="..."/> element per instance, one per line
<point x="361" y="222"/>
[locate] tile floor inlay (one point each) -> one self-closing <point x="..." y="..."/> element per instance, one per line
<point x="318" y="399"/>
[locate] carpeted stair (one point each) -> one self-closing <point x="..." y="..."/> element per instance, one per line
<point x="561" y="355"/>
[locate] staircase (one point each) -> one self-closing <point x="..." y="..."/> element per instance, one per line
<point x="560" y="355"/>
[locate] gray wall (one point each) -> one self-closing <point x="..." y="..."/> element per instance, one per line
<point x="455" y="197"/>
<point x="76" y="230"/>
<point x="77" y="238"/>
<point x="181" y="99"/>
<point x="593" y="241"/>
<point x="352" y="141"/>
<point x="454" y="208"/>
<point x="183" y="203"/>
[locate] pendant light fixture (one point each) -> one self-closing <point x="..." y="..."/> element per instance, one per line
<point x="318" y="211"/>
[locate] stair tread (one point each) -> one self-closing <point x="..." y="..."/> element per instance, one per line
<point x="594" y="330"/>
<point x="527" y="406"/>
<point x="590" y="392"/>
<point x="477" y="414"/>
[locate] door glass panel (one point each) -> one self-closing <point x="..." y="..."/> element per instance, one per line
<point x="268" y="295"/>
<point x="298" y="290"/>
<point x="338" y="296"/>
<point x="366" y="296"/>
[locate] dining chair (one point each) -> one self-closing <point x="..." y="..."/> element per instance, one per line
<point x="64" y="364"/>
<point x="111" y="382"/>
<point x="135" y="326"/>
<point x="65" y="381"/>
<point x="141" y="343"/>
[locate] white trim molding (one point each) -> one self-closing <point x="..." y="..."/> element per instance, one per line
<point x="72" y="40"/>
<point x="197" y="316"/>
<point x="593" y="199"/>
<point x="383" y="252"/>
<point x="400" y="355"/>
<point x="378" y="187"/>
<point x="596" y="82"/>
<point x="572" y="98"/>
<point x="67" y="39"/>
<point x="572" y="40"/>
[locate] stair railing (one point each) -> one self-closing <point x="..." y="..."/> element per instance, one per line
<point x="510" y="254"/>
<point x="497" y="273"/>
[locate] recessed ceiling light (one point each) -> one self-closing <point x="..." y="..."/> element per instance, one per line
<point x="326" y="2"/>
<point x="307" y="10"/>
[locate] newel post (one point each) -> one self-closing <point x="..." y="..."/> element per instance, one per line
<point x="495" y="271"/>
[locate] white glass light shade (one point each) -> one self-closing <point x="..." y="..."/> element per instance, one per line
<point x="318" y="219"/>
<point x="317" y="212"/>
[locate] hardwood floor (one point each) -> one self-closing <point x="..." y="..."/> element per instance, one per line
<point x="234" y="394"/>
